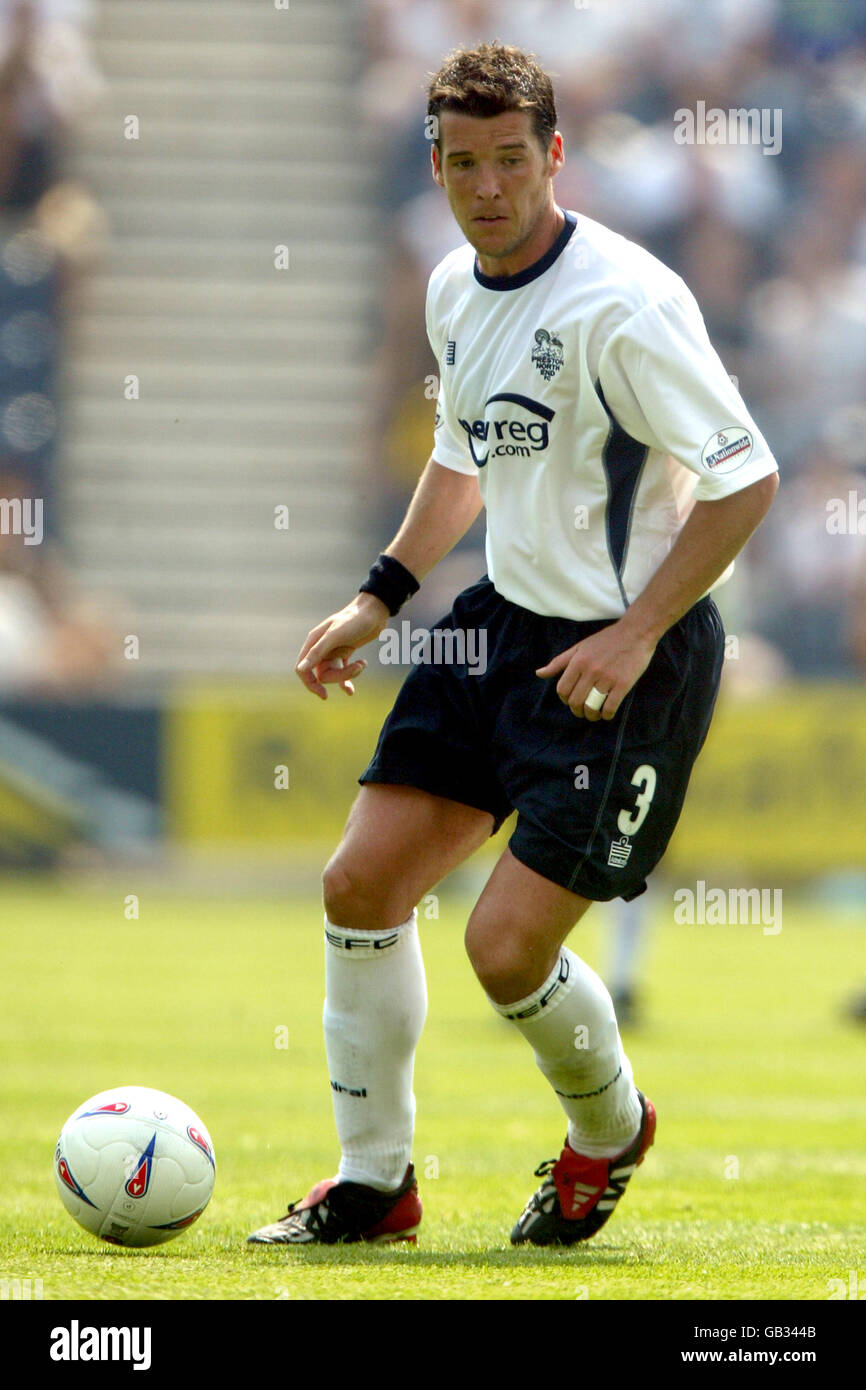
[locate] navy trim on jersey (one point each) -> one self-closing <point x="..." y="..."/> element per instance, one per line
<point x="527" y="402"/>
<point x="623" y="458"/>
<point x="532" y="272"/>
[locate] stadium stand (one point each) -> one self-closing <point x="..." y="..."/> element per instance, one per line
<point x="251" y="379"/>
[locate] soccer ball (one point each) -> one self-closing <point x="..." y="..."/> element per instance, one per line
<point x="134" y="1166"/>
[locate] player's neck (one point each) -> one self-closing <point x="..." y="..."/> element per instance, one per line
<point x="537" y="245"/>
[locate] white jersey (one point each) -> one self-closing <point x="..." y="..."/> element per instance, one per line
<point x="586" y="395"/>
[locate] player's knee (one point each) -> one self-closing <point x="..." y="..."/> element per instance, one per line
<point x="498" y="961"/>
<point x="355" y="899"/>
<point x="344" y="894"/>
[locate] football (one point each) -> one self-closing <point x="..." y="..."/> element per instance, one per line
<point x="134" y="1166"/>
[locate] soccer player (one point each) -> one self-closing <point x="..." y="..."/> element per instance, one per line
<point x="582" y="403"/>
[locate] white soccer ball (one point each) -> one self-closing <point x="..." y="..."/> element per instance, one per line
<point x="134" y="1166"/>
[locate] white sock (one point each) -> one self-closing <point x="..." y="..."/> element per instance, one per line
<point x="630" y="927"/>
<point x="570" y="1023"/>
<point x="375" y="1006"/>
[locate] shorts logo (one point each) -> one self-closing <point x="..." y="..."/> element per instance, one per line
<point x="619" y="852"/>
<point x="548" y="353"/>
<point x="727" y="450"/>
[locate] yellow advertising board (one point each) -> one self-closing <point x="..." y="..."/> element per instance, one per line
<point x="267" y="764"/>
<point x="780" y="784"/>
<point x="29" y="816"/>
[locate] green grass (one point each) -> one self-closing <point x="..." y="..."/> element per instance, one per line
<point x="744" y="1052"/>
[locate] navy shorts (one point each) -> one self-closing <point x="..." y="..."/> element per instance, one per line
<point x="597" y="801"/>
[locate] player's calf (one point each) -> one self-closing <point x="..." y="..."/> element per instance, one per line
<point x="516" y="929"/>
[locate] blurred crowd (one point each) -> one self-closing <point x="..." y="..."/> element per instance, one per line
<point x="773" y="245"/>
<point x="52" y="639"/>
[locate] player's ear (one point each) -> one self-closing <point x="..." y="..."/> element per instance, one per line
<point x="436" y="164"/>
<point x="555" y="153"/>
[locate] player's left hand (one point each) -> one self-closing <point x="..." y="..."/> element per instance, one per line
<point x="611" y="660"/>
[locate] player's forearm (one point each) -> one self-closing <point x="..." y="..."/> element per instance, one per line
<point x="713" y="535"/>
<point x="444" y="506"/>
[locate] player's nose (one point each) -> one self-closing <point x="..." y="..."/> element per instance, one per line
<point x="487" y="184"/>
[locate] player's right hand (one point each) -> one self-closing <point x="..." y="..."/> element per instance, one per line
<point x="323" y="657"/>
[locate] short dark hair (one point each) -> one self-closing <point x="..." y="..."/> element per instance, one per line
<point x="490" y="79"/>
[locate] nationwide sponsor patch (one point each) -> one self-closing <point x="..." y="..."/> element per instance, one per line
<point x="727" y="450"/>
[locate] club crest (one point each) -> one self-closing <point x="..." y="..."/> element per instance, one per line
<point x="548" y="353"/>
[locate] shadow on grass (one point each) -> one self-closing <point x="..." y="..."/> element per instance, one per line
<point x="383" y="1257"/>
<point x="493" y="1257"/>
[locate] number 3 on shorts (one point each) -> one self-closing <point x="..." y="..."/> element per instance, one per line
<point x="630" y="822"/>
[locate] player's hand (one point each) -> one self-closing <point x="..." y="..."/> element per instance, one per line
<point x="611" y="660"/>
<point x="323" y="658"/>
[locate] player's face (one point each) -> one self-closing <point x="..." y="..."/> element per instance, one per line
<point x="499" y="183"/>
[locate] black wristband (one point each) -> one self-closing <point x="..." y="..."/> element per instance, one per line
<point x="391" y="582"/>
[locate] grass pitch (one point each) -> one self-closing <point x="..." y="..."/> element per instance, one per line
<point x="753" y="1189"/>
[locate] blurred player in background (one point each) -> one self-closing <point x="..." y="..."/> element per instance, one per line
<point x="580" y="400"/>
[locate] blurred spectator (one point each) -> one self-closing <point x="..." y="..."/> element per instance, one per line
<point x="53" y="640"/>
<point x="856" y="627"/>
<point x="812" y="569"/>
<point x="49" y="224"/>
<point x="47" y="81"/>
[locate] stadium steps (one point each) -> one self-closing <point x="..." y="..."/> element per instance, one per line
<point x="191" y="21"/>
<point x="253" y="381"/>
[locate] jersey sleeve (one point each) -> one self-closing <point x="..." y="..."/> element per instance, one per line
<point x="450" y="445"/>
<point x="665" y="384"/>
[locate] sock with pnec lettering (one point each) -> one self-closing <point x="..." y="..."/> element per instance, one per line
<point x="570" y="1024"/>
<point x="375" y="1006"/>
